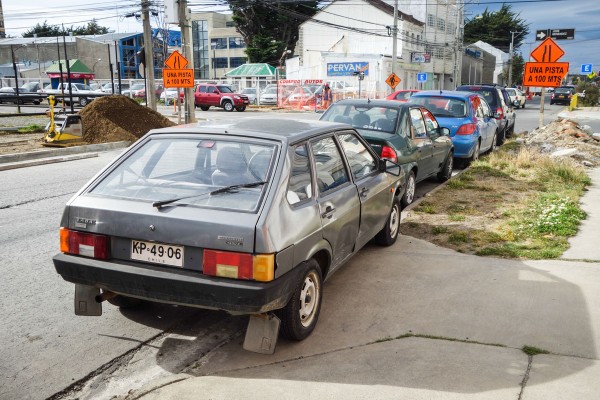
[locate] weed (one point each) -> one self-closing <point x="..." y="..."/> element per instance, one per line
<point x="426" y="207"/>
<point x="456" y="217"/>
<point x="458" y="237"/>
<point x="533" y="351"/>
<point x="437" y="230"/>
<point x="31" y="129"/>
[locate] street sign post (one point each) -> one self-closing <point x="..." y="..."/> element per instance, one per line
<point x="586" y="68"/>
<point x="557" y="34"/>
<point x="547" y="52"/>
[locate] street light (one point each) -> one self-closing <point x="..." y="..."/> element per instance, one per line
<point x="510" y="56"/>
<point x="12" y="53"/>
<point x="94" y="67"/>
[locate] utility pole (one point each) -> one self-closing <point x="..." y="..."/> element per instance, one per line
<point x="510" y="57"/>
<point x="148" y="56"/>
<point x="186" y="47"/>
<point x="394" y="38"/>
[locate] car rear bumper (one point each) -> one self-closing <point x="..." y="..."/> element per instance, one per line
<point x="178" y="286"/>
<point x="464" y="145"/>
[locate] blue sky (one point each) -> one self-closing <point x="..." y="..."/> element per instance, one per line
<point x="581" y="15"/>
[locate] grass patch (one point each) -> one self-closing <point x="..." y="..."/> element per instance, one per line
<point x="533" y="351"/>
<point x="438" y="230"/>
<point x="519" y="202"/>
<point x="33" y="128"/>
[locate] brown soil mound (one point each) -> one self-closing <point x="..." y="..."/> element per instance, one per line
<point x="116" y="118"/>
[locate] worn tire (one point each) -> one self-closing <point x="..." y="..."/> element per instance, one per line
<point x="204" y="108"/>
<point x="500" y="138"/>
<point x="409" y="194"/>
<point x="494" y="143"/>
<point x="446" y="171"/>
<point x="388" y="235"/>
<point x="299" y="317"/>
<point x="475" y="155"/>
<point x="228" y="106"/>
<point x="124" y="301"/>
<point x="240" y="109"/>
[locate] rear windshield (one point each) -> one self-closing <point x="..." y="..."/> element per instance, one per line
<point x="365" y="117"/>
<point x="442" y="107"/>
<point x="562" y="90"/>
<point x="166" y="168"/>
<point x="487" y="93"/>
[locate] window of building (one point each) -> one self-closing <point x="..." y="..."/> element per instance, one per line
<point x="441" y="24"/>
<point x="430" y="20"/>
<point x="236" y="43"/>
<point x="236" y="61"/>
<point x="450" y="28"/>
<point x="230" y="24"/>
<point x="220" y="62"/>
<point x="200" y="50"/>
<point x="218" y="43"/>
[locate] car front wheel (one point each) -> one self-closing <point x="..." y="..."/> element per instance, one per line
<point x="83" y="102"/>
<point x="228" y="106"/>
<point x="204" y="108"/>
<point x="409" y="193"/>
<point x="299" y="317"/>
<point x="388" y="235"/>
<point x="240" y="109"/>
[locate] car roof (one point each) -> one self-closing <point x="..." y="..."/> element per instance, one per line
<point x="280" y="129"/>
<point x="457" y="94"/>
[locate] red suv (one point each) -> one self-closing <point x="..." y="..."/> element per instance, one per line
<point x="209" y="95"/>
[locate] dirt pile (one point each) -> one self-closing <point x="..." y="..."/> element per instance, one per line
<point x="565" y="138"/>
<point x="116" y="118"/>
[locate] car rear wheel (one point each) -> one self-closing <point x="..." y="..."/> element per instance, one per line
<point x="409" y="193"/>
<point x="228" y="106"/>
<point x="475" y="155"/>
<point x="204" y="108"/>
<point x="299" y="317"/>
<point x="388" y="235"/>
<point x="446" y="171"/>
<point x="494" y="142"/>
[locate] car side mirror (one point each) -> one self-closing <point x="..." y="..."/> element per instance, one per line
<point x="444" y="131"/>
<point x="389" y="166"/>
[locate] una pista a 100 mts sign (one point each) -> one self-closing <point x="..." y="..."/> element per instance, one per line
<point x="545" y="74"/>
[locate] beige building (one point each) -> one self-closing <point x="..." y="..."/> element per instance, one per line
<point x="217" y="46"/>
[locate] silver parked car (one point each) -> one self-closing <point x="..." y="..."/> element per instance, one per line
<point x="248" y="216"/>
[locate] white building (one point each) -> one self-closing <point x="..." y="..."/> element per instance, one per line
<point x="502" y="60"/>
<point x="354" y="35"/>
<point x="346" y="37"/>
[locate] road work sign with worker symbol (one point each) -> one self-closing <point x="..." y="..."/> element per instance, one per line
<point x="393" y="80"/>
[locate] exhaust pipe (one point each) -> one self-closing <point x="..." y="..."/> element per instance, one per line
<point x="105" y="296"/>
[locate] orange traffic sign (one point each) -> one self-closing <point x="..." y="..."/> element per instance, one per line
<point x="178" y="78"/>
<point x="176" y="61"/>
<point x="547" y="52"/>
<point x="542" y="74"/>
<point x="393" y="80"/>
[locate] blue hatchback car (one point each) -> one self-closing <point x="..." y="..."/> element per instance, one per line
<point x="473" y="128"/>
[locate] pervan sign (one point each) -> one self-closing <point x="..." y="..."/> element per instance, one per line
<point x="347" y="68"/>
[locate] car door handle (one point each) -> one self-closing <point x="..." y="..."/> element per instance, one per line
<point x="328" y="212"/>
<point x="363" y="192"/>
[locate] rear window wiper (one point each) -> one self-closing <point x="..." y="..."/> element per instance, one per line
<point x="224" y="189"/>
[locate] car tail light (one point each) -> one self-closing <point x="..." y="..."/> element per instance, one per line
<point x="259" y="267"/>
<point x="500" y="112"/>
<point x="84" y="244"/>
<point x="389" y="153"/>
<point x="466" y="129"/>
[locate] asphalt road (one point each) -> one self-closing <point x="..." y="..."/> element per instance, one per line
<point x="46" y="348"/>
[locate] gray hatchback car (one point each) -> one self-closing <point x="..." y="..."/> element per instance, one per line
<point x="248" y="216"/>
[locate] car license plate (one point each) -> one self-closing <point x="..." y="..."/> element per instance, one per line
<point x="158" y="253"/>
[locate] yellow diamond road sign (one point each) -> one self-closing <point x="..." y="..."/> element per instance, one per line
<point x="393" y="80"/>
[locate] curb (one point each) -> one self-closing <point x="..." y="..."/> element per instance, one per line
<point x="55" y="155"/>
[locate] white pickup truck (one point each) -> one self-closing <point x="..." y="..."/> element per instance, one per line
<point x="82" y="93"/>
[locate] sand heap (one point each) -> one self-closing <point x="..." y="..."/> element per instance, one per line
<point x="116" y="118"/>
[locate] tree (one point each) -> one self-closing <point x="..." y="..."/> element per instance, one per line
<point x="92" y="28"/>
<point x="269" y="28"/>
<point x="495" y="28"/>
<point x="518" y="66"/>
<point x="46" y="30"/>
